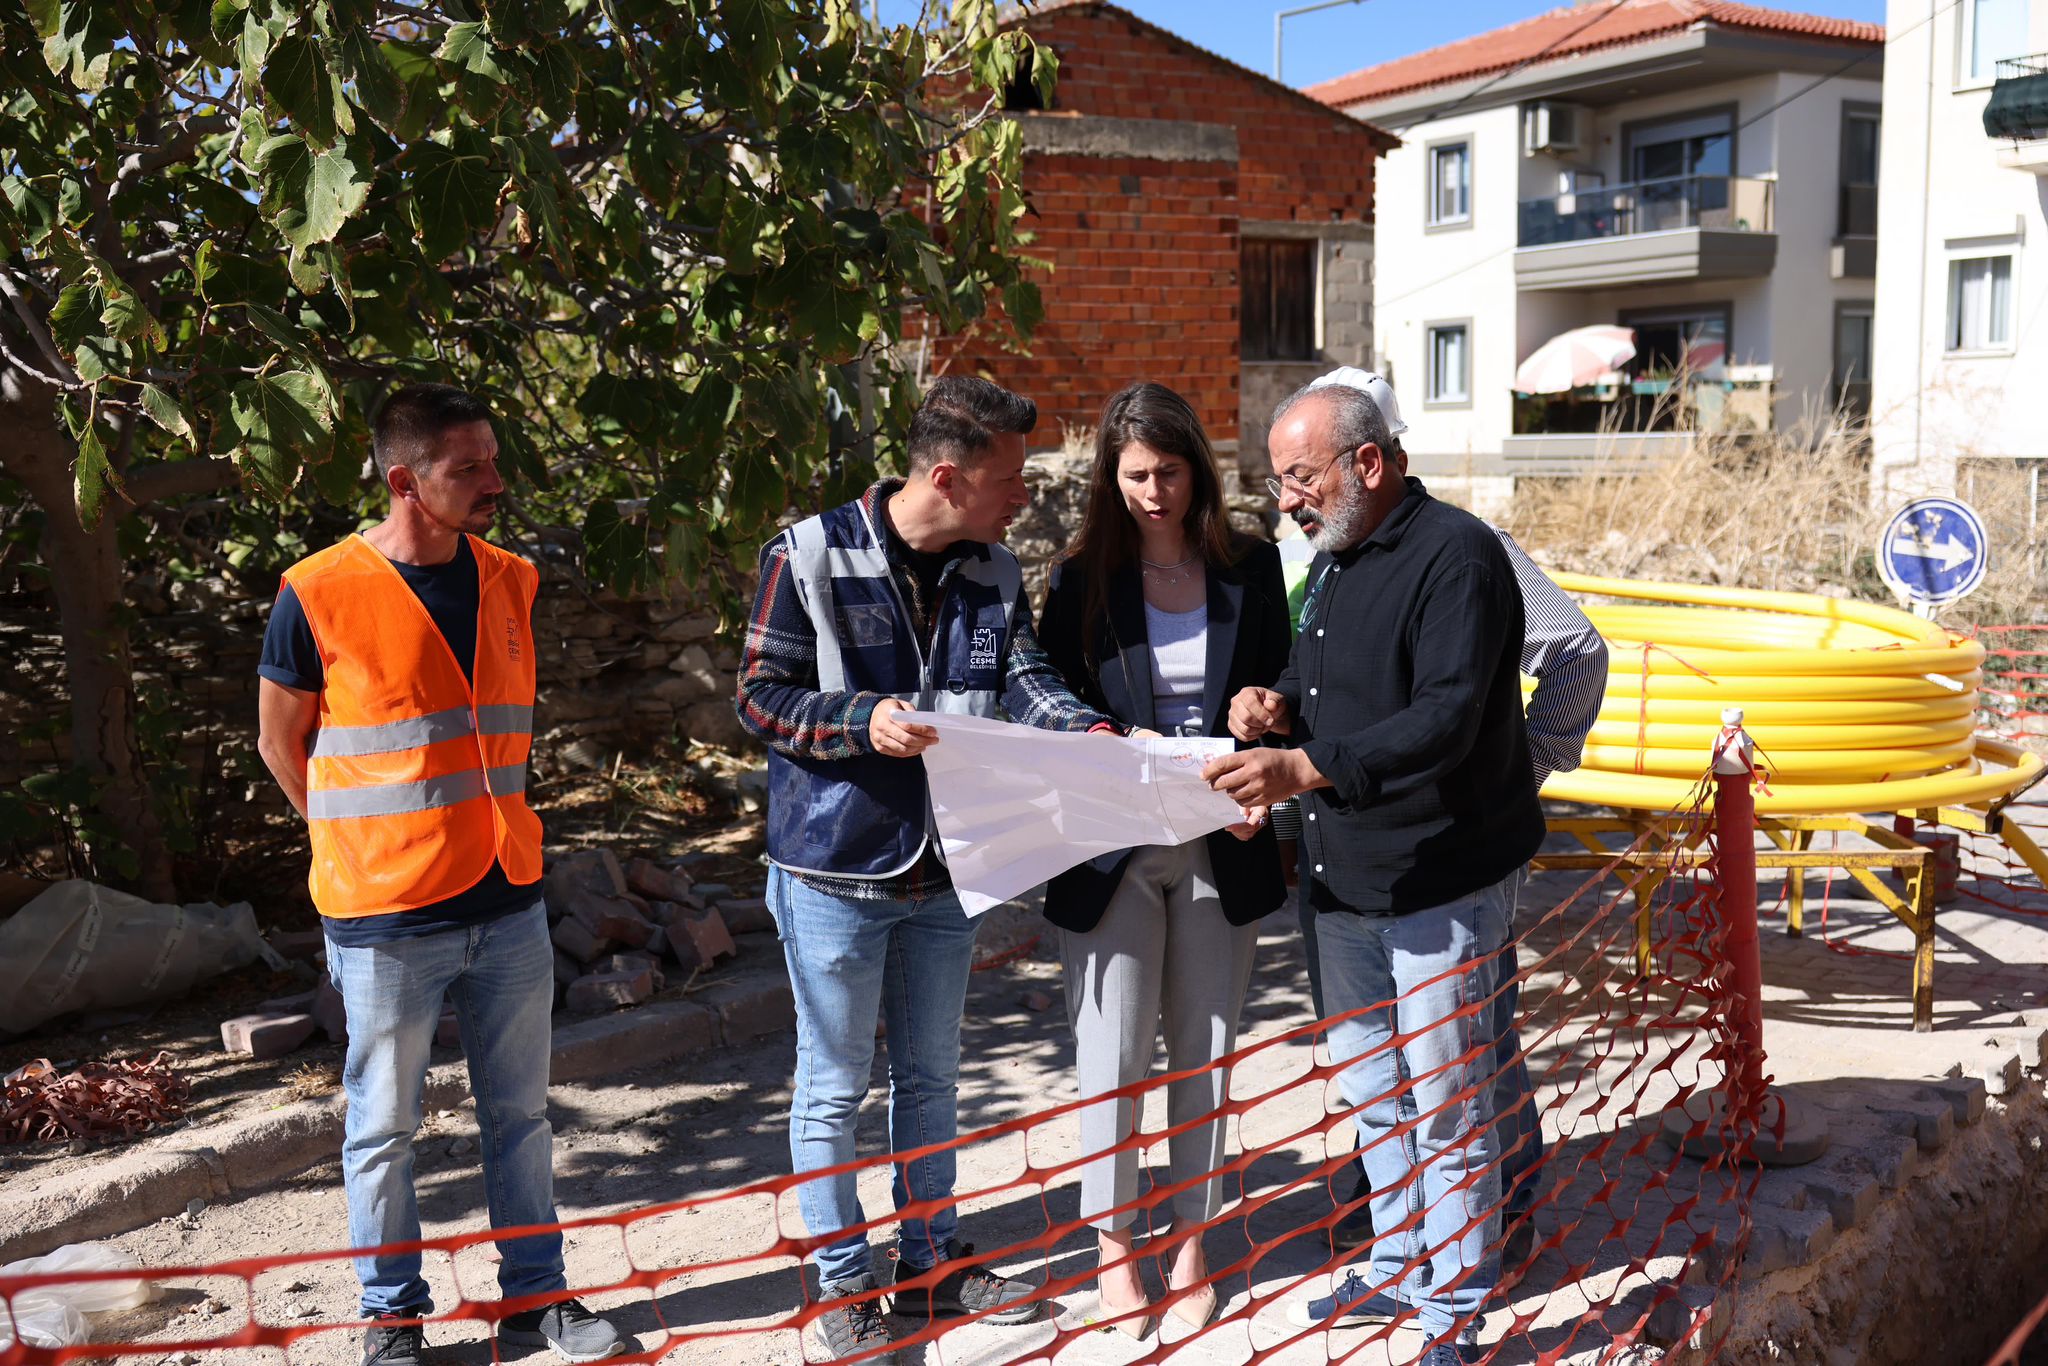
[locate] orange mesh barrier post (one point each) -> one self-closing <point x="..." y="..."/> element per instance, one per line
<point x="1735" y="894"/>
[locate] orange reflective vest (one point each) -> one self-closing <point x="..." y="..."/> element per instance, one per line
<point x="416" y="779"/>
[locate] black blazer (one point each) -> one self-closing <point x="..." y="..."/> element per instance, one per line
<point x="1248" y="640"/>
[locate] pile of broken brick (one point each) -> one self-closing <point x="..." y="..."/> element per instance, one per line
<point x="618" y="928"/>
<point x="620" y="931"/>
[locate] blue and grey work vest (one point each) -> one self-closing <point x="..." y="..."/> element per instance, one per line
<point x="869" y="816"/>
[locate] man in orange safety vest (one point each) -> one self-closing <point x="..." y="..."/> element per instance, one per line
<point x="396" y="712"/>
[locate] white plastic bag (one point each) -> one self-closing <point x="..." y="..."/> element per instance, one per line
<point x="80" y="945"/>
<point x="54" y="1315"/>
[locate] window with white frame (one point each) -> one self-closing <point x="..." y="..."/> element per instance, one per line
<point x="1449" y="380"/>
<point x="1450" y="183"/>
<point x="1979" y="303"/>
<point x="1992" y="30"/>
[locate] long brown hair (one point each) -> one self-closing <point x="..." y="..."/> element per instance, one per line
<point x="1108" y="543"/>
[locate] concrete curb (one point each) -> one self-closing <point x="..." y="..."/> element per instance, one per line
<point x="238" y="1156"/>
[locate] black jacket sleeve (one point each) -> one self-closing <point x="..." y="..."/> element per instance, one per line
<point x="1060" y="628"/>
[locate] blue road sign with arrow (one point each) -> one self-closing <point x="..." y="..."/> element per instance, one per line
<point x="1934" y="551"/>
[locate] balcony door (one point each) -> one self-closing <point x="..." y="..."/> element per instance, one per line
<point x="1673" y="341"/>
<point x="1681" y="167"/>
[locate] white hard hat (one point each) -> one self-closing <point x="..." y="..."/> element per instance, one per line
<point x="1375" y="388"/>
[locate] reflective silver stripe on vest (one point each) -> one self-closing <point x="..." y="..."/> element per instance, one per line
<point x="415" y="732"/>
<point x="814" y="565"/>
<point x="335" y="742"/>
<point x="427" y="794"/>
<point x="504" y="718"/>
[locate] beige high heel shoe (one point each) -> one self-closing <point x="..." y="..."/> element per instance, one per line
<point x="1133" y="1323"/>
<point x="1195" y="1309"/>
<point x="1132" y="1320"/>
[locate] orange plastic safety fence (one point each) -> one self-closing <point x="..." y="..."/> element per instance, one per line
<point x="1625" y="1027"/>
<point x="2027" y="1344"/>
<point x="2015" y="686"/>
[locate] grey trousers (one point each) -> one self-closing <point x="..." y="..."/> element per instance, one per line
<point x="1162" y="960"/>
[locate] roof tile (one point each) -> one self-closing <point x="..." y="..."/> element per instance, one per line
<point x="1576" y="29"/>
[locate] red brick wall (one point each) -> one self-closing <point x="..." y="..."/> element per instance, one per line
<point x="1145" y="252"/>
<point x="1144" y="286"/>
<point x="1295" y="160"/>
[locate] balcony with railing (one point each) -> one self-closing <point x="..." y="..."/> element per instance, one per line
<point x="1683" y="228"/>
<point x="2017" y="112"/>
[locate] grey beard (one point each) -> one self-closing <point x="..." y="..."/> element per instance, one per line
<point x="1339" y="529"/>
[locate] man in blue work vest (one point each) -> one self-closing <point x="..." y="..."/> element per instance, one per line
<point x="900" y="600"/>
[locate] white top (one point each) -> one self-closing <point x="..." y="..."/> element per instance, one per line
<point x="1180" y="656"/>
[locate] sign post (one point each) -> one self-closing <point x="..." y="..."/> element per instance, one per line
<point x="1933" y="552"/>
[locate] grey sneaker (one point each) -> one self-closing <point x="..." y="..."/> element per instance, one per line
<point x="964" y="1288"/>
<point x="858" y="1328"/>
<point x="567" y="1329"/>
<point x="388" y="1345"/>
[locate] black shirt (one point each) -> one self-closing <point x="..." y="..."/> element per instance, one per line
<point x="1405" y="691"/>
<point x="291" y="658"/>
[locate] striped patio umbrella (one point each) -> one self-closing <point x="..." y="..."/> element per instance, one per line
<point x="1576" y="358"/>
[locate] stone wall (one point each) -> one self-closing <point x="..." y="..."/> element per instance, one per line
<point x="614" y="674"/>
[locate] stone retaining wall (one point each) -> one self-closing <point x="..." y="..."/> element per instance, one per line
<point x="615" y="674"/>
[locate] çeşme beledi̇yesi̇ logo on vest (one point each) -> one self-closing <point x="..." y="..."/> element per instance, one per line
<point x="983" y="653"/>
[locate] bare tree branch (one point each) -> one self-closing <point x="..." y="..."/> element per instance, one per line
<point x="37" y="332"/>
<point x="172" y="478"/>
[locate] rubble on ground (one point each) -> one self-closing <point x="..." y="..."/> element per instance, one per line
<point x="622" y="933"/>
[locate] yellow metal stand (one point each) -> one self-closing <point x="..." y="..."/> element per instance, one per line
<point x="1646" y="869"/>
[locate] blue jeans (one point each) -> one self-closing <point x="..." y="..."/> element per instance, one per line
<point x="500" y="976"/>
<point x="1514" y="1100"/>
<point x="1441" y="1077"/>
<point x="848" y="961"/>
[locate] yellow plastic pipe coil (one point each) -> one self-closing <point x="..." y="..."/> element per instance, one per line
<point x="1854" y="707"/>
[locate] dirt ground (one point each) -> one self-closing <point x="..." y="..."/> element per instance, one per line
<point x="654" y="1136"/>
<point x="635" y="812"/>
<point x="640" y="1147"/>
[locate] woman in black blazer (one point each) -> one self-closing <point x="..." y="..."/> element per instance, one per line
<point x="1158" y="614"/>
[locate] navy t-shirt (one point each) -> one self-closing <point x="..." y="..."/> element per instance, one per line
<point x="450" y="594"/>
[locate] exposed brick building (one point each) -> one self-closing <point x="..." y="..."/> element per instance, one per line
<point x="1209" y="228"/>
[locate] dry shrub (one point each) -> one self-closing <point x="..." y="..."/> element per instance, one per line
<point x="1787" y="511"/>
<point x="310" y="1080"/>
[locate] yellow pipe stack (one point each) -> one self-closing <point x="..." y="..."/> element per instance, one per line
<point x="1854" y="707"/>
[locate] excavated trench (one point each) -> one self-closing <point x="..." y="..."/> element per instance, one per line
<point x="1941" y="1272"/>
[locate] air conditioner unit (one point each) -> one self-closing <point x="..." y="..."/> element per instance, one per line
<point x="1549" y="127"/>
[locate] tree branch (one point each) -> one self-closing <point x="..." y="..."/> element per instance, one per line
<point x="170" y="479"/>
<point x="37" y="332"/>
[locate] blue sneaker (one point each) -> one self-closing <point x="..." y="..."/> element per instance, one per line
<point x="1450" y="1352"/>
<point x="1354" y="1303"/>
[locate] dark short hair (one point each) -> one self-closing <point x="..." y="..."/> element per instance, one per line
<point x="414" y="418"/>
<point x="959" y="418"/>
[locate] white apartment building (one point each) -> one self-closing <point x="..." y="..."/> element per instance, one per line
<point x="1701" y="173"/>
<point x="1960" y="364"/>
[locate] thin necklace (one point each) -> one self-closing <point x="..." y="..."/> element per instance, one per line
<point x="1149" y="564"/>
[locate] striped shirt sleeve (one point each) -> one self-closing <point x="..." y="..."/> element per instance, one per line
<point x="1034" y="691"/>
<point x="779" y="702"/>
<point x="1568" y="660"/>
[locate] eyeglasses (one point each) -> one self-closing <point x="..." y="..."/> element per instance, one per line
<point x="1278" y="487"/>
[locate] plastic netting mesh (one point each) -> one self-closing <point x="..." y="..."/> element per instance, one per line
<point x="1639" y="1226"/>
